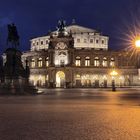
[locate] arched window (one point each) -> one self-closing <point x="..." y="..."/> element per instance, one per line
<point x="33" y="44"/>
<point x="85" y="40"/>
<point x="97" y="41"/>
<point x="104" y="62"/>
<point x="32" y="63"/>
<point x="87" y="61"/>
<point x="47" y="42"/>
<point x="40" y="62"/>
<point x="96" y="62"/>
<point x="42" y="42"/>
<point x="47" y="61"/>
<point x="103" y="42"/>
<point x="91" y="40"/>
<point x="78" y="61"/>
<point x="78" y="40"/>
<point x="112" y="62"/>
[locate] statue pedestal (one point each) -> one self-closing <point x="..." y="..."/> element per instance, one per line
<point x="15" y="75"/>
<point x="17" y="88"/>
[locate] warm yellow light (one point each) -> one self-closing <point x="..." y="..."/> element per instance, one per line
<point x="61" y="74"/>
<point x="137" y="43"/>
<point x="113" y="73"/>
<point x="40" y="77"/>
<point x="104" y="77"/>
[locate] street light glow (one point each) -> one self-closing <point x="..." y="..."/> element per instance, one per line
<point x="114" y="73"/>
<point x="137" y="43"/>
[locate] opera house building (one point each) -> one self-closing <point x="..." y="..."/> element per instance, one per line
<point x="76" y="56"/>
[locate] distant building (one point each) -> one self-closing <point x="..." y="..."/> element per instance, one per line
<point x="76" y="56"/>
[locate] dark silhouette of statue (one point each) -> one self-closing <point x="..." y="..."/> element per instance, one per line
<point x="14" y="76"/>
<point x="13" y="37"/>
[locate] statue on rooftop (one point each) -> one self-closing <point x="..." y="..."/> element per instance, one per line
<point x="61" y="25"/>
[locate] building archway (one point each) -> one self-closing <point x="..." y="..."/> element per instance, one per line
<point x="60" y="79"/>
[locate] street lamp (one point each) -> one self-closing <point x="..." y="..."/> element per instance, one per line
<point x="137" y="47"/>
<point x="113" y="74"/>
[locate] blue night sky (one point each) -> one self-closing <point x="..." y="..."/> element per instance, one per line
<point x="35" y="17"/>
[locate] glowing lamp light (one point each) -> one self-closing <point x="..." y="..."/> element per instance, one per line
<point x="40" y="77"/>
<point x="137" y="43"/>
<point x="114" y="73"/>
<point x="104" y="77"/>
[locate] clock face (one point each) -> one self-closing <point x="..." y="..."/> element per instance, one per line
<point x="61" y="45"/>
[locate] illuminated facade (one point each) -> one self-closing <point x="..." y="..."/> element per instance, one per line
<point x="76" y="56"/>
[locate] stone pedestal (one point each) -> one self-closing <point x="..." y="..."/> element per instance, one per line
<point x="16" y="77"/>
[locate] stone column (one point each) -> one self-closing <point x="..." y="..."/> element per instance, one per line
<point x="51" y="59"/>
<point x="70" y="58"/>
<point x="101" y="61"/>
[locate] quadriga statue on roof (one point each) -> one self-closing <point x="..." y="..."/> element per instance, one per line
<point x="61" y="25"/>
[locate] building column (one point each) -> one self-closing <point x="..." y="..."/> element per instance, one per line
<point x="51" y="57"/>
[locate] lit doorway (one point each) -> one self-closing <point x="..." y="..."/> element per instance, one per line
<point x="60" y="79"/>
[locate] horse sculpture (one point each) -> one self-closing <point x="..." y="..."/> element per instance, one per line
<point x="13" y="37"/>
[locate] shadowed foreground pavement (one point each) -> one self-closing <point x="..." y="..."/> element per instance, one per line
<point x="73" y="114"/>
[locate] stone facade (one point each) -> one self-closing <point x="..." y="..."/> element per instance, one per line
<point x="83" y="38"/>
<point x="65" y="63"/>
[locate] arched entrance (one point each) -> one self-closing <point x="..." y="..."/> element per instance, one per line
<point x="60" y="79"/>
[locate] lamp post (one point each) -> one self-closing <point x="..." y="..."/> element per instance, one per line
<point x="113" y="74"/>
<point x="137" y="47"/>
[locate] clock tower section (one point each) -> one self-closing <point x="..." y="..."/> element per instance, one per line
<point x="61" y="46"/>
